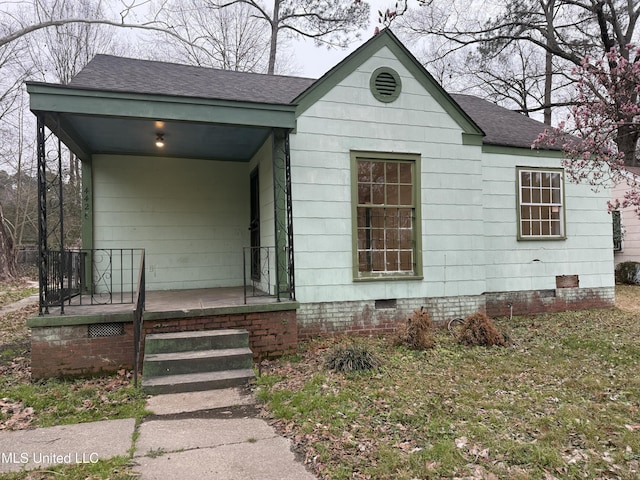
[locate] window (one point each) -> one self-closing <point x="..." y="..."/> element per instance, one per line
<point x="617" y="230"/>
<point x="386" y="226"/>
<point x="540" y="206"/>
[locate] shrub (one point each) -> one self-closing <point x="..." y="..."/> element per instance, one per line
<point x="628" y="273"/>
<point x="417" y="332"/>
<point x="352" y="358"/>
<point x="479" y="330"/>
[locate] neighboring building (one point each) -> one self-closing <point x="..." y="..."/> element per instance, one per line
<point x="626" y="224"/>
<point x="375" y="191"/>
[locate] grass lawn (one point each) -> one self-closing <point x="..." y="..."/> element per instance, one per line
<point x="560" y="402"/>
<point x="27" y="404"/>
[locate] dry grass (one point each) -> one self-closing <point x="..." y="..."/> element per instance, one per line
<point x="562" y="401"/>
<point x="628" y="297"/>
<point x="25" y="404"/>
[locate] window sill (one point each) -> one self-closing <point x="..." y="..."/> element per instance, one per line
<point x="384" y="278"/>
<point x="537" y="239"/>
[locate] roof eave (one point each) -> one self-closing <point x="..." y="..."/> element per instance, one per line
<point x="52" y="98"/>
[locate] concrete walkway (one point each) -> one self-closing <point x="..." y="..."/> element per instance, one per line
<point x="214" y="434"/>
<point x="25" y="302"/>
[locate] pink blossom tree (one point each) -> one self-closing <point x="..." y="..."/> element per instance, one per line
<point x="600" y="136"/>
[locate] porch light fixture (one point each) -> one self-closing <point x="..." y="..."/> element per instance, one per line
<point x="160" y="140"/>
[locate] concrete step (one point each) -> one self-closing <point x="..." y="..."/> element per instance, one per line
<point x="176" y="363"/>
<point x="199" y="340"/>
<point x="197" y="382"/>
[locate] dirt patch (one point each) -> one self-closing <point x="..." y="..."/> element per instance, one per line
<point x="628" y="297"/>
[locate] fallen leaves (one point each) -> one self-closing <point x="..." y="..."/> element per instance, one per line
<point x="16" y="415"/>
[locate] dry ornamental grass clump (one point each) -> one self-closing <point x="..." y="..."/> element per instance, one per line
<point x="351" y="358"/>
<point x="479" y="330"/>
<point x="417" y="332"/>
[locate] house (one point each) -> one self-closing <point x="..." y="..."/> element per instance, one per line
<point x="626" y="223"/>
<point x="349" y="201"/>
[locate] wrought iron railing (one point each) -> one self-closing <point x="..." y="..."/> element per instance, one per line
<point x="258" y="263"/>
<point x="261" y="277"/>
<point x="88" y="277"/>
<point x="138" y="319"/>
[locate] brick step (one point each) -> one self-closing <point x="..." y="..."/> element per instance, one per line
<point x="197" y="340"/>
<point x="176" y="363"/>
<point x="195" y="382"/>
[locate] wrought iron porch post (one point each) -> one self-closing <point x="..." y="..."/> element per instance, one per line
<point x="51" y="271"/>
<point x="283" y="216"/>
<point x="42" y="219"/>
<point x="63" y="256"/>
<point x="287" y="166"/>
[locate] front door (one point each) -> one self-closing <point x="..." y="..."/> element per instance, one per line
<point x="254" y="225"/>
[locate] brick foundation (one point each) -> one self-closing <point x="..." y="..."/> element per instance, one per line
<point x="372" y="318"/>
<point x="379" y="316"/>
<point x="68" y="350"/>
<point x="547" y="301"/>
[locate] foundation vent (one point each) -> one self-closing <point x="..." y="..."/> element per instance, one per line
<point x="97" y="330"/>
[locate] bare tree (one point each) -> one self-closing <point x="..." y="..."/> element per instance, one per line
<point x="327" y="22"/>
<point x="52" y="40"/>
<point x="231" y="38"/>
<point x="558" y="35"/>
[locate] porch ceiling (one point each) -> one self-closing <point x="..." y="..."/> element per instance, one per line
<point x="93" y="122"/>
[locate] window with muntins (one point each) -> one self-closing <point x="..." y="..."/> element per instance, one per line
<point x="617" y="230"/>
<point x="386" y="217"/>
<point x="541" y="199"/>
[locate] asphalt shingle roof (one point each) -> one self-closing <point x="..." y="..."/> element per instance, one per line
<point x="501" y="126"/>
<point x="106" y="72"/>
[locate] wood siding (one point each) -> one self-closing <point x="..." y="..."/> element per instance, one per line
<point x="191" y="216"/>
<point x="515" y="265"/>
<point x="469" y="220"/>
<point x="349" y="118"/>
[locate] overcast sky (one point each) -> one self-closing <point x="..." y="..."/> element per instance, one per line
<point x="311" y="61"/>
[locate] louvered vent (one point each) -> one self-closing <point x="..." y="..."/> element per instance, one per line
<point x="385" y="84"/>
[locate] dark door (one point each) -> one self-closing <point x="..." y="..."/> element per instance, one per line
<point x="254" y="225"/>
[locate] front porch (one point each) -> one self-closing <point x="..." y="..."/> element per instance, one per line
<point x="88" y="339"/>
<point x="183" y="199"/>
<point x="163" y="303"/>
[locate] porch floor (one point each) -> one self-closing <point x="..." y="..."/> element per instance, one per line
<point x="163" y="301"/>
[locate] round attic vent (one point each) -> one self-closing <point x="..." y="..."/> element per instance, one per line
<point x="385" y="84"/>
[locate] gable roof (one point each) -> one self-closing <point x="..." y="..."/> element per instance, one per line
<point x="497" y="125"/>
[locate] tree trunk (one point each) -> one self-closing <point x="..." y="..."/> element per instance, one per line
<point x="627" y="141"/>
<point x="548" y="85"/>
<point x="275" y="20"/>
<point x="7" y="252"/>
<point x="549" y="9"/>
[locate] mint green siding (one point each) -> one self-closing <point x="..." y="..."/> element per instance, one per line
<point x="534" y="264"/>
<point x="469" y="220"/>
<point x="191" y="216"/>
<point x="348" y="118"/>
